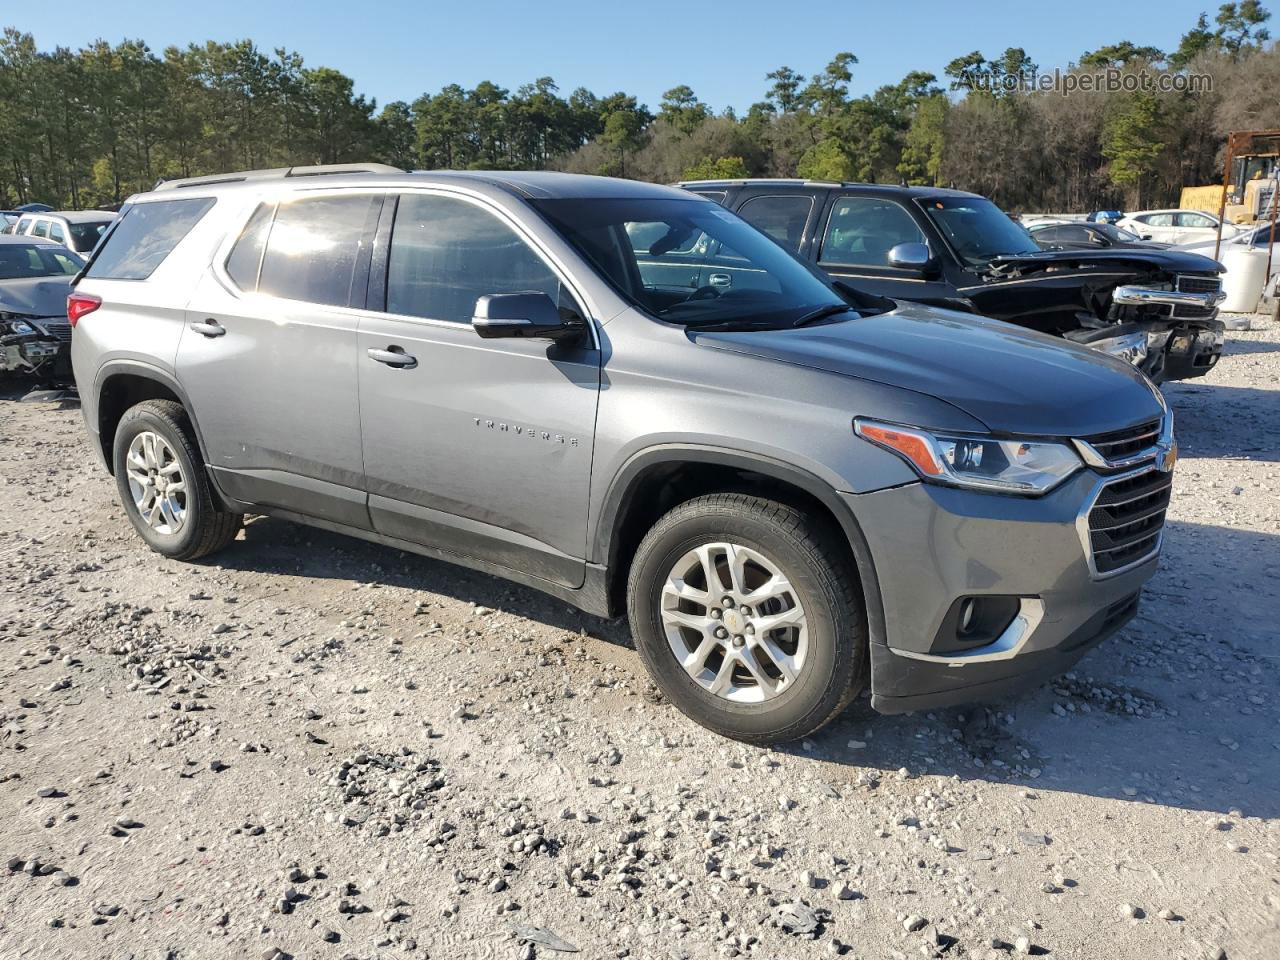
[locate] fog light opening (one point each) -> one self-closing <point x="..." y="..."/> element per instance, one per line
<point x="975" y="622"/>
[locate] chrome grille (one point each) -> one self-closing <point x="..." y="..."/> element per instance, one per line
<point x="1126" y="520"/>
<point x="1189" y="283"/>
<point x="1118" y="447"/>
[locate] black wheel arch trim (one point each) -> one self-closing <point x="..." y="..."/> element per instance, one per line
<point x="624" y="481"/>
<point x="145" y="371"/>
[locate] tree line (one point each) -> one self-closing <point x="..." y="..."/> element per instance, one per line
<point x="88" y="127"/>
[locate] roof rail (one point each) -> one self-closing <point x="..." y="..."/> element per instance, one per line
<point x="752" y="181"/>
<point x="276" y="173"/>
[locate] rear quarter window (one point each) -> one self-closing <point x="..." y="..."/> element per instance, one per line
<point x="145" y="234"/>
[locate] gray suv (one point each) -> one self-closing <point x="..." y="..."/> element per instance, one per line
<point x="626" y="396"/>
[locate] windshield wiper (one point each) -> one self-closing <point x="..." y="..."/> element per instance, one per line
<point x="822" y="313"/>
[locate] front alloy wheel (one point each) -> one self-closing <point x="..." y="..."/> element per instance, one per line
<point x="748" y="615"/>
<point x="734" y="622"/>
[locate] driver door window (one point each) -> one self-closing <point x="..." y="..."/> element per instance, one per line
<point x="862" y="230"/>
<point x="447" y="253"/>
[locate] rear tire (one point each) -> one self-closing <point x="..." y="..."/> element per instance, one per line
<point x="781" y="591"/>
<point x="163" y="486"/>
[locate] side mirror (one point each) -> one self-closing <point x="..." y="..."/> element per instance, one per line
<point x="528" y="315"/>
<point x="911" y="256"/>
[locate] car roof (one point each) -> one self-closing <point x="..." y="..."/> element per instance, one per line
<point x="530" y="184"/>
<point x="18" y="238"/>
<point x="885" y="189"/>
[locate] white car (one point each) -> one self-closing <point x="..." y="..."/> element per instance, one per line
<point x="1240" y="270"/>
<point x="76" y="230"/>
<point x="1175" y="226"/>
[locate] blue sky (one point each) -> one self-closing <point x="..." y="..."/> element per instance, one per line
<point x="399" y="50"/>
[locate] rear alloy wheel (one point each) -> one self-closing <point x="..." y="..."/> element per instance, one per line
<point x="157" y="483"/>
<point x="748" y="617"/>
<point x="163" y="486"/>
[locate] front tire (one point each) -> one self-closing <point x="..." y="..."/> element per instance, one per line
<point x="747" y="615"/>
<point x="162" y="483"/>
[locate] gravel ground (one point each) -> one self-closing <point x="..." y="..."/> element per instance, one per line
<point x="314" y="747"/>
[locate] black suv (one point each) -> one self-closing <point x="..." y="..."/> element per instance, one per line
<point x="946" y="248"/>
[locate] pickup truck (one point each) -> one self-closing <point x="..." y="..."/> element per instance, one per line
<point x="946" y="248"/>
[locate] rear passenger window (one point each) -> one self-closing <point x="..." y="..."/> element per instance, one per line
<point x="314" y="246"/>
<point x="144" y="235"/>
<point x="41" y="229"/>
<point x="782" y="218"/>
<point x="447" y="253"/>
<point x="246" y="255"/>
<point x="56" y="232"/>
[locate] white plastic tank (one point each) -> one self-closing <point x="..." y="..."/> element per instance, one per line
<point x="1246" y="273"/>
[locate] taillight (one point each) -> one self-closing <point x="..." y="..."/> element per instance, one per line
<point x="79" y="304"/>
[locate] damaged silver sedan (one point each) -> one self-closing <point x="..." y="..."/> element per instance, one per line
<point x="35" y="338"/>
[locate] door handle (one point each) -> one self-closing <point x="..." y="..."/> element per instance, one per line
<point x="720" y="279"/>
<point x="208" y="328"/>
<point x="393" y="357"/>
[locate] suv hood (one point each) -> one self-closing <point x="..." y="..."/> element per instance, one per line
<point x="35" y="296"/>
<point x="1171" y="260"/>
<point x="1009" y="378"/>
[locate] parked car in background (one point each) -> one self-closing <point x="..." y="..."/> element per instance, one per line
<point x="35" y="337"/>
<point x="793" y="495"/>
<point x="1175" y="226"/>
<point x="77" y="230"/>
<point x="1248" y="267"/>
<point x="1156" y="308"/>
<point x="1076" y="235"/>
<point x="1105" y="216"/>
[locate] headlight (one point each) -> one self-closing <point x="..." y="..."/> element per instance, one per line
<point x="15" y="323"/>
<point x="982" y="463"/>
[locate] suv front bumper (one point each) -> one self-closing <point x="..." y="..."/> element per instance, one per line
<point x="933" y="547"/>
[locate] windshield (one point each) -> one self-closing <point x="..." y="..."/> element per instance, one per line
<point x="87" y="234"/>
<point x="978" y="229"/>
<point x="692" y="262"/>
<point x="22" y="261"/>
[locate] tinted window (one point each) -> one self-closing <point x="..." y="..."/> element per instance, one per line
<point x="782" y="218"/>
<point x="862" y="231"/>
<point x="20" y="261"/>
<point x="86" y="235"/>
<point x="1046" y="234"/>
<point x="41" y="229"/>
<point x="145" y="234"/>
<point x="314" y="246"/>
<point x="24" y="226"/>
<point x="447" y="253"/>
<point x="57" y="233"/>
<point x="246" y="255"/>
<point x="1071" y="233"/>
